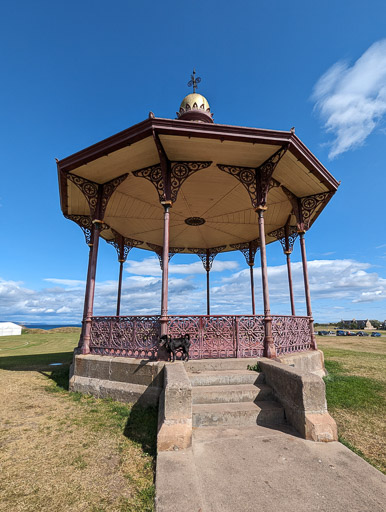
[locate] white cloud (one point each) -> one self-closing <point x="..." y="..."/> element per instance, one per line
<point x="151" y="267"/>
<point x="352" y="99"/>
<point x="339" y="288"/>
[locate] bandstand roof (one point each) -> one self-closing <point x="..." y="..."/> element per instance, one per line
<point x="134" y="210"/>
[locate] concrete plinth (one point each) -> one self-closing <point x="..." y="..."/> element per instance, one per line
<point x="121" y="378"/>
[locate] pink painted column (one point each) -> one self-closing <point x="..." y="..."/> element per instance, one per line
<point x="251" y="263"/>
<point x="121" y="262"/>
<point x="207" y="283"/>
<point x="269" y="346"/>
<point x="307" y="288"/>
<point x="90" y="287"/>
<point x="165" y="269"/>
<point x="291" y="292"/>
<point x="86" y="293"/>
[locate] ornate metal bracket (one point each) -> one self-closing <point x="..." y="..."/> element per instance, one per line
<point x="257" y="181"/>
<point x="304" y="207"/>
<point x="208" y="255"/>
<point x="179" y="172"/>
<point x="97" y="195"/>
<point x="249" y="250"/>
<point x="286" y="236"/>
<point x="123" y="245"/>
<point x="158" y="249"/>
<point x="85" y="223"/>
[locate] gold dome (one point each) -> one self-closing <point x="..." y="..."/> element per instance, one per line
<point x="195" y="107"/>
<point x="195" y="100"/>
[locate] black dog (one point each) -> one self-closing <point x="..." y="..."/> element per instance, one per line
<point x="174" y="344"/>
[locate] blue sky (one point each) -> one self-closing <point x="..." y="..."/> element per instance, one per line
<point x="74" y="73"/>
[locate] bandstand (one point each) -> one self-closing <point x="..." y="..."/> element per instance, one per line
<point x="191" y="186"/>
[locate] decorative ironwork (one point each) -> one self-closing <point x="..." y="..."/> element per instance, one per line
<point x="158" y="249"/>
<point x="123" y="244"/>
<point x="130" y="336"/>
<point x="194" y="81"/>
<point x="310" y="204"/>
<point x="250" y="336"/>
<point x="257" y="181"/>
<point x="287" y="243"/>
<point x="249" y="250"/>
<point x="220" y="336"/>
<point x="88" y="188"/>
<point x="85" y="223"/>
<point x="304" y="207"/>
<point x="93" y="191"/>
<point x="195" y="221"/>
<point x="291" y="334"/>
<point x="208" y="255"/>
<point x="211" y="336"/>
<point x="108" y="189"/>
<point x="179" y="172"/>
<point x="155" y="176"/>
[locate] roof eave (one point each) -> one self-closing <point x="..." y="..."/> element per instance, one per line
<point x="208" y="130"/>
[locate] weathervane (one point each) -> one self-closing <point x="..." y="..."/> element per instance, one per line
<point x="194" y="81"/>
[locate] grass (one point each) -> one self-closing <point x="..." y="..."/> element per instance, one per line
<point x="356" y="393"/>
<point x="62" y="450"/>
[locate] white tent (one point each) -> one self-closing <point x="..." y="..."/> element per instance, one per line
<point x="9" y="329"/>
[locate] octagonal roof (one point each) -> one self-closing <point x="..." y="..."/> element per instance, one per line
<point x="219" y="199"/>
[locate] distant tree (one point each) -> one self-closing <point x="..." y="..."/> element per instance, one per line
<point x="376" y="323"/>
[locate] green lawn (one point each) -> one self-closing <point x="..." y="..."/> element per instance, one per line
<point x="356" y="393"/>
<point x="37" y="349"/>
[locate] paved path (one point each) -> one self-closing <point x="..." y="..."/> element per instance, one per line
<point x="259" y="469"/>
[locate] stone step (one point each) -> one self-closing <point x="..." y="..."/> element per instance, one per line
<point x="242" y="414"/>
<point x="225" y="377"/>
<point x="204" y="365"/>
<point x="230" y="393"/>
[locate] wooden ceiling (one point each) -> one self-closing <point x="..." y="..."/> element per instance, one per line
<point x="134" y="209"/>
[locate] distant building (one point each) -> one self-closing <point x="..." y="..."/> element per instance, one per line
<point x="358" y="324"/>
<point x="9" y="329"/>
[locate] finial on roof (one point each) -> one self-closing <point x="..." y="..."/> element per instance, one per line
<point x="194" y="81"/>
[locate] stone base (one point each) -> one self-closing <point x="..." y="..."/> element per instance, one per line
<point x="311" y="361"/>
<point x="320" y="427"/>
<point x="175" y="410"/>
<point x="303" y="396"/>
<point x="120" y="378"/>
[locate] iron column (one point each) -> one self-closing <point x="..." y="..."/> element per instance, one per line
<point x="307" y="288"/>
<point x="269" y="346"/>
<point x="165" y="269"/>
<point x="90" y="287"/>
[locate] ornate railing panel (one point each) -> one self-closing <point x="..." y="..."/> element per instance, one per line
<point x="130" y="336"/>
<point x="212" y="336"/>
<point x="250" y="336"/>
<point x="220" y="336"/>
<point x="291" y="334"/>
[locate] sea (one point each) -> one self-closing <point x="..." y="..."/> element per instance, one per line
<point x="47" y="327"/>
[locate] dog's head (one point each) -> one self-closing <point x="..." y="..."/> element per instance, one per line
<point x="164" y="340"/>
<point x="187" y="337"/>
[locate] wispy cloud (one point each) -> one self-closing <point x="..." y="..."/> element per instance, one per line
<point x="351" y="100"/>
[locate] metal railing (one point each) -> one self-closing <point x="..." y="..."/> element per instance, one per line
<point x="212" y="336"/>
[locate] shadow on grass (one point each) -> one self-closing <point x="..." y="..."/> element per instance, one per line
<point x="35" y="362"/>
<point x="141" y="422"/>
<point x="59" y="376"/>
<point x="141" y="428"/>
